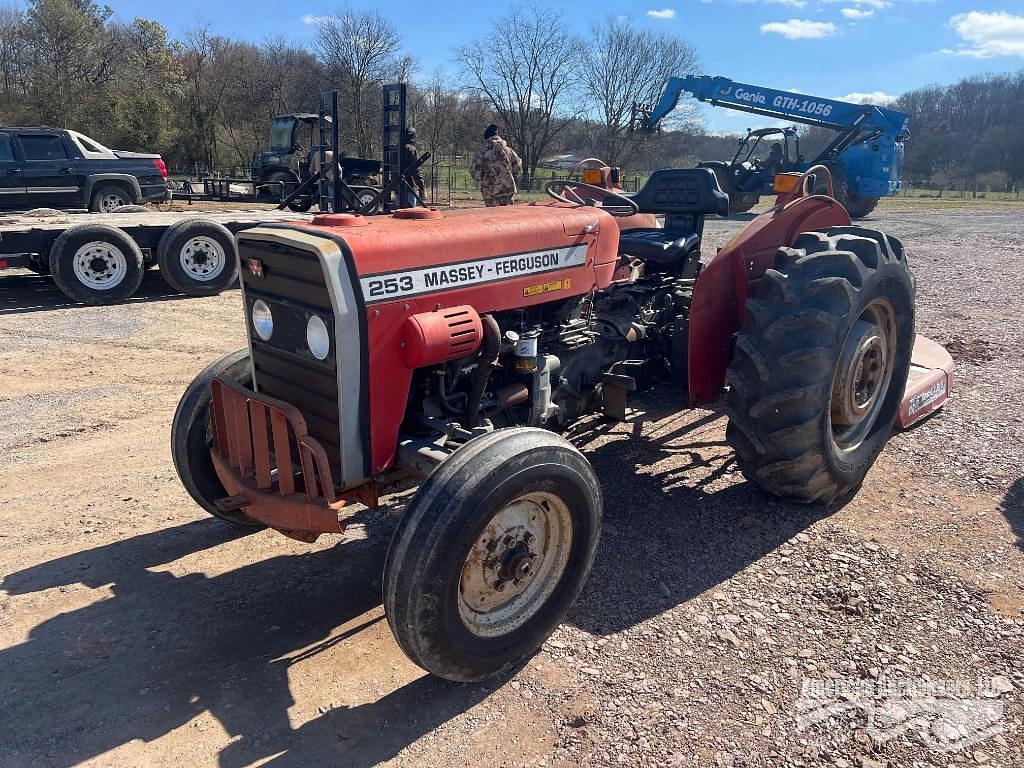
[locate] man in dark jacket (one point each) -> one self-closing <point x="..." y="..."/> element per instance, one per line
<point x="416" y="179"/>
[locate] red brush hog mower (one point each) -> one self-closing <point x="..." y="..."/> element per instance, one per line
<point x="451" y="348"/>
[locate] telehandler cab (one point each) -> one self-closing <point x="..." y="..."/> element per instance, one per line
<point x="453" y="347"/>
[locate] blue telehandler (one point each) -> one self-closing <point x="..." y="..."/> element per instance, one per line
<point x="865" y="157"/>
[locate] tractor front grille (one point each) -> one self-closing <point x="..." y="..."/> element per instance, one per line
<point x="294" y="286"/>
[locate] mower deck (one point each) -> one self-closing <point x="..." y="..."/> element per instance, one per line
<point x="929" y="383"/>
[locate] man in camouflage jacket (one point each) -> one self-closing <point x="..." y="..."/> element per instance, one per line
<point x="495" y="167"/>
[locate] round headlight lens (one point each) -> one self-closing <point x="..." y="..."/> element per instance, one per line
<point x="317" y="338"/>
<point x="262" y="320"/>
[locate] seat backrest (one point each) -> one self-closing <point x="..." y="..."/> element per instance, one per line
<point x="682" y="192"/>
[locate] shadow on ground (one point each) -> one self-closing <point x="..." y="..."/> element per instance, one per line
<point x="1013" y="509"/>
<point x="163" y="648"/>
<point x="671" y="534"/>
<point x="25" y="292"/>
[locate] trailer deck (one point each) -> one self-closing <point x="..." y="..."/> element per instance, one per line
<point x="98" y="258"/>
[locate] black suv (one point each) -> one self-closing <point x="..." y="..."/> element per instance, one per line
<point x="43" y="167"/>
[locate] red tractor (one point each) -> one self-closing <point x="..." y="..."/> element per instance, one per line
<point x="450" y="349"/>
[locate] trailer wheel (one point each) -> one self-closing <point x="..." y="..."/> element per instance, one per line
<point x="821" y="363"/>
<point x="96" y="264"/>
<point x="192" y="437"/>
<point x="301" y="204"/>
<point x="491" y="553"/>
<point x="108" y="199"/>
<point x="197" y="257"/>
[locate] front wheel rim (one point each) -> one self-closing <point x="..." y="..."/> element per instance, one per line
<point x="100" y="265"/>
<point x="202" y="258"/>
<point x="515" y="564"/>
<point x="863" y="375"/>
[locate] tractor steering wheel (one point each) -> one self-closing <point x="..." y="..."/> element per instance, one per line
<point x="568" y="191"/>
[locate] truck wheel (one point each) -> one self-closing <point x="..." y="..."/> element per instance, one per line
<point x="494" y="548"/>
<point x="821" y="363"/>
<point x="109" y="199"/>
<point x="197" y="257"/>
<point x="96" y="264"/>
<point x="192" y="436"/>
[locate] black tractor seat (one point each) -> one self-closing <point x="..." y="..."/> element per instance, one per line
<point x="684" y="196"/>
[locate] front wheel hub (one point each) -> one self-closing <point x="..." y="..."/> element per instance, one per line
<point x="515" y="564"/>
<point x="863" y="375"/>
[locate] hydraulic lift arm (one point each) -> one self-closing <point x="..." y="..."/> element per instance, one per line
<point x="850" y="119"/>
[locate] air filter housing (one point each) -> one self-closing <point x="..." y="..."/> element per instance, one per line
<point x="446" y="334"/>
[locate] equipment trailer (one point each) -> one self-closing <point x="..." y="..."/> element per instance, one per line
<point x="100" y="258"/>
<point x="453" y="347"/>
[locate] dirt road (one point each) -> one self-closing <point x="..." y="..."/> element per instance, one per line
<point x="135" y="631"/>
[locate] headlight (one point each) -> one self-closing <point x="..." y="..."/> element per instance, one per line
<point x="262" y="320"/>
<point x="317" y="338"/>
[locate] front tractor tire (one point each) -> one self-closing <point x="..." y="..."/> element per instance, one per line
<point x="492" y="552"/>
<point x="820" y="364"/>
<point x="192" y="436"/>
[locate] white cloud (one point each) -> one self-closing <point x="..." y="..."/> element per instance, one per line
<point x="874" y="4"/>
<point x="988" y="34"/>
<point x="790" y="3"/>
<point x="871" y="97"/>
<point x="309" y="18"/>
<point x="799" y="29"/>
<point x="856" y="14"/>
<point x="664" y="13"/>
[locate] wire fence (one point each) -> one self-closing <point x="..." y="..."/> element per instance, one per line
<point x="959" y="190"/>
<point x="447" y="180"/>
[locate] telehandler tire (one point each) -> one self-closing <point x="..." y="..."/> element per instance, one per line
<point x="820" y="364"/>
<point x="492" y="552"/>
<point x="192" y="437"/>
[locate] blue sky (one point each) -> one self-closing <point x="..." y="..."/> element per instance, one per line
<point x="822" y="47"/>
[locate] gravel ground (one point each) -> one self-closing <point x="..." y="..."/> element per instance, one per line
<point x="720" y="627"/>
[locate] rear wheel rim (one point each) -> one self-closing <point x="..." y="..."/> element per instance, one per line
<point x="863" y="375"/>
<point x="111" y="202"/>
<point x="515" y="564"/>
<point x="202" y="258"/>
<point x="100" y="265"/>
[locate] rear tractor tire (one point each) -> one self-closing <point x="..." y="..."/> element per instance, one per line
<point x="820" y="364"/>
<point x="192" y="436"/>
<point x="491" y="553"/>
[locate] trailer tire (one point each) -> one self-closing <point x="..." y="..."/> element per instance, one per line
<point x="198" y="257"/>
<point x="109" y="198"/>
<point x="96" y="264"/>
<point x="820" y="364"/>
<point x="191" y="437"/>
<point x="444" y="561"/>
<point x="301" y="204"/>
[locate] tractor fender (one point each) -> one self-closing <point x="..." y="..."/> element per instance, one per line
<point x="731" y="276"/>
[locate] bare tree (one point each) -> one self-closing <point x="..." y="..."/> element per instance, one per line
<point x="622" y="66"/>
<point x="360" y="50"/>
<point x="526" y="69"/>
